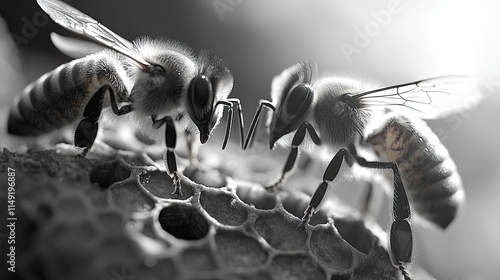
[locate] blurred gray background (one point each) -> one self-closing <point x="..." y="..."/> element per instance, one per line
<point x="392" y="41"/>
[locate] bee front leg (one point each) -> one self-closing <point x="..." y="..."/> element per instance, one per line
<point x="170" y="161"/>
<point x="88" y="127"/>
<point x="294" y="153"/>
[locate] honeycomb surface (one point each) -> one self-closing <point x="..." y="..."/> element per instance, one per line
<point x="113" y="219"/>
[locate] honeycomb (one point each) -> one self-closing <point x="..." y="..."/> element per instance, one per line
<point x="112" y="218"/>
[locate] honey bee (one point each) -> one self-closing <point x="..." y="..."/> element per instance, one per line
<point x="150" y="82"/>
<point x="345" y="115"/>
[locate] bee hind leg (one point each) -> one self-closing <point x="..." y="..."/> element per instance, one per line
<point x="88" y="127"/>
<point x="401" y="239"/>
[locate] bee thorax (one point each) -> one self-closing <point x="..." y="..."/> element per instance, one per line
<point x="154" y="95"/>
<point x="342" y="125"/>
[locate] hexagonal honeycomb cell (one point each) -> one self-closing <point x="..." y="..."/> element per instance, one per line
<point x="109" y="219"/>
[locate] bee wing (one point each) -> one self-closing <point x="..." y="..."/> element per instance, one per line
<point x="431" y="98"/>
<point x="78" y="22"/>
<point x="74" y="48"/>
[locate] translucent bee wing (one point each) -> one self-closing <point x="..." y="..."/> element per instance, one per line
<point x="431" y="98"/>
<point x="74" y="48"/>
<point x="78" y="22"/>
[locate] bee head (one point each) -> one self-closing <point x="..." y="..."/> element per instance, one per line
<point x="213" y="83"/>
<point x="293" y="96"/>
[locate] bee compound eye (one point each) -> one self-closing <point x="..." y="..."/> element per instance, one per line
<point x="298" y="97"/>
<point x="200" y="98"/>
<point x="200" y="91"/>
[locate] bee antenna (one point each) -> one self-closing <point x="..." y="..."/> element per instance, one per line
<point x="229" y="103"/>
<point x="255" y="120"/>
<point x="229" y="120"/>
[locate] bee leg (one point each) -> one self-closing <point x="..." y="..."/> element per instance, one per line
<point x="290" y="163"/>
<point x="170" y="161"/>
<point x="401" y="238"/>
<point x="86" y="130"/>
<point x="171" y="140"/>
<point x="330" y="173"/>
<point x="85" y="135"/>
<point x="294" y="153"/>
<point x="237" y="104"/>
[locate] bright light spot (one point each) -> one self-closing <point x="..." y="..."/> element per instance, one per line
<point x="456" y="32"/>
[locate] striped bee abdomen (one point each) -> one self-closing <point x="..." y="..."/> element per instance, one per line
<point x="59" y="97"/>
<point x="431" y="179"/>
